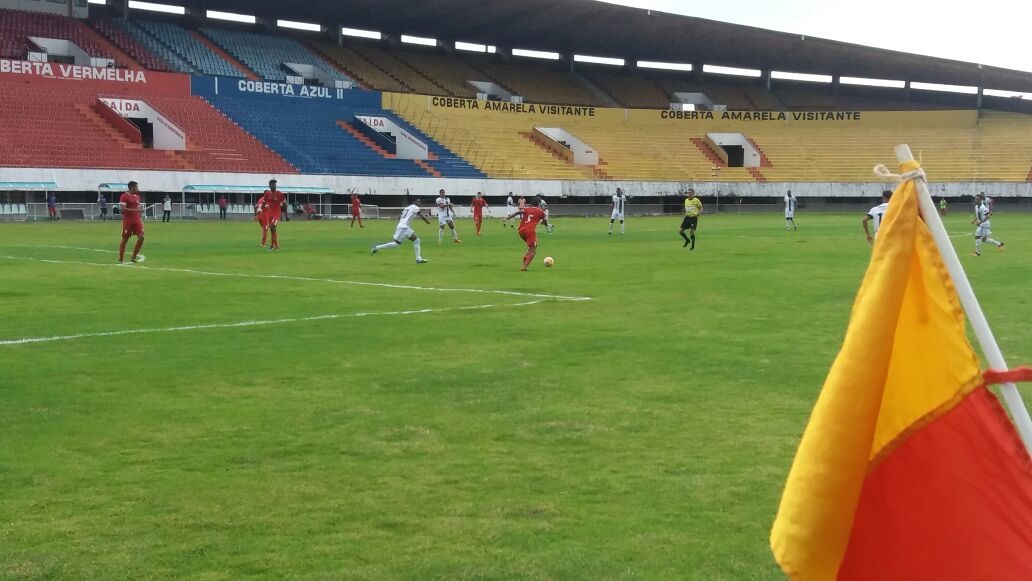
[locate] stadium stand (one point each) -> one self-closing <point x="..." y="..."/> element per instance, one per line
<point x="176" y="45"/>
<point x="734" y="97"/>
<point x="309" y="134"/>
<point x="413" y="80"/>
<point x="627" y="152"/>
<point x="17" y="26"/>
<point x="451" y="73"/>
<point x="59" y="128"/>
<point x="535" y="83"/>
<point x="265" y="54"/>
<point x="632" y="92"/>
<point x="117" y="34"/>
<point x="358" y="68"/>
<point x="215" y="141"/>
<point x="646" y="145"/>
<point x="154" y="45"/>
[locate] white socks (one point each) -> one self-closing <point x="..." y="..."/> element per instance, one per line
<point x="994" y="242"/>
<point x="440" y="233"/>
<point x="416" y="244"/>
<point x="621" y="227"/>
<point x="386" y="245"/>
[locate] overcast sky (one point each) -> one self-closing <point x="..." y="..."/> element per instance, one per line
<point x="990" y="32"/>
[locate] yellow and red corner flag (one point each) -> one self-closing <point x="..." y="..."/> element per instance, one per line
<point x="909" y="468"/>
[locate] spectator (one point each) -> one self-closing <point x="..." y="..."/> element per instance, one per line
<point x="52" y="205"/>
<point x="102" y="200"/>
<point x="223" y="204"/>
<point x="166" y="209"/>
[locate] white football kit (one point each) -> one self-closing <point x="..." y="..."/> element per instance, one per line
<point x="790" y="203"/>
<point x="404" y="229"/>
<point x="877" y="213"/>
<point x="444" y="211"/>
<point x="618" y="207"/>
<point x="982" y="212"/>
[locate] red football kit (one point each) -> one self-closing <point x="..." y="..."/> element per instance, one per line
<point x="478" y="212"/>
<point x="262" y="217"/>
<point x="528" y="225"/>
<point x="260" y="214"/>
<point x="274" y="206"/>
<point x="273" y="210"/>
<point x="132" y="222"/>
<point x="356" y="206"/>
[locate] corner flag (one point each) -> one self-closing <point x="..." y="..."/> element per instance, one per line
<point x="909" y="467"/>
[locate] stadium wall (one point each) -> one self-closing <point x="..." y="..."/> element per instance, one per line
<point x="85" y="180"/>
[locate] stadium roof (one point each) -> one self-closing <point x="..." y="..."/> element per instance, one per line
<point x="601" y="29"/>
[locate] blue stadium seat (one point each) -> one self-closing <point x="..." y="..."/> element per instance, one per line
<point x="177" y="46"/>
<point x="305" y="133"/>
<point x="266" y="54"/>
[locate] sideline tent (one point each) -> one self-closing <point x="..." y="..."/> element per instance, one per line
<point x="26" y="208"/>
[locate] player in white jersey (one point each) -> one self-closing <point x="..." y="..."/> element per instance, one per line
<point x="445" y="215"/>
<point x="510" y="208"/>
<point x="983" y="211"/>
<point x="619" y="204"/>
<point x="544" y="208"/>
<point x="790" y="206"/>
<point x="404" y="230"/>
<point x="876" y="215"/>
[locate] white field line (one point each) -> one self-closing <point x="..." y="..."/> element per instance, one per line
<point x="537" y="298"/>
<point x="307" y="279"/>
<point x="27" y="340"/>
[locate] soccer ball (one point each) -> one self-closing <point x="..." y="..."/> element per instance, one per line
<point x="549" y="261"/>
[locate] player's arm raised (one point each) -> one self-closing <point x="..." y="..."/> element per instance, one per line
<point x="514" y="214"/>
<point x="423" y="216"/>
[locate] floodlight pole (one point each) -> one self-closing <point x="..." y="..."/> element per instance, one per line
<point x="1011" y="397"/>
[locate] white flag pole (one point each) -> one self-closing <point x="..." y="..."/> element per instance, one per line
<point x="1011" y="397"/>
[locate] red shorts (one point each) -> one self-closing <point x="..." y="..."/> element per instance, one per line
<point x="530" y="238"/>
<point x="262" y="220"/>
<point x="478" y="217"/>
<point x="356" y="213"/>
<point x="133" y="229"/>
<point x="273" y="218"/>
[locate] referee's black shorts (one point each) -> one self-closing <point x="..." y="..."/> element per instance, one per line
<point x="689" y="222"/>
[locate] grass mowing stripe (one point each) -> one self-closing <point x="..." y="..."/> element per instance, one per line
<point x="27" y="340"/>
<point x="307" y="279"/>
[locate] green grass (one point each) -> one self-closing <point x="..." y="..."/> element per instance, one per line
<point x="644" y="434"/>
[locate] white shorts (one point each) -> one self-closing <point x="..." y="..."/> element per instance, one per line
<point x="616" y="216"/>
<point x="444" y="217"/>
<point x="789" y="215"/>
<point x="403" y="233"/>
<point x="983" y="231"/>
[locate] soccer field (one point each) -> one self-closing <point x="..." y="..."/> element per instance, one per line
<point x="220" y="411"/>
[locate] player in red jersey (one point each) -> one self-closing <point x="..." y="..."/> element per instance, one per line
<point x="274" y="200"/>
<point x="132" y="221"/>
<point x="477" y="207"/>
<point x="356" y="210"/>
<point x="261" y="217"/>
<point x="530" y="216"/>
